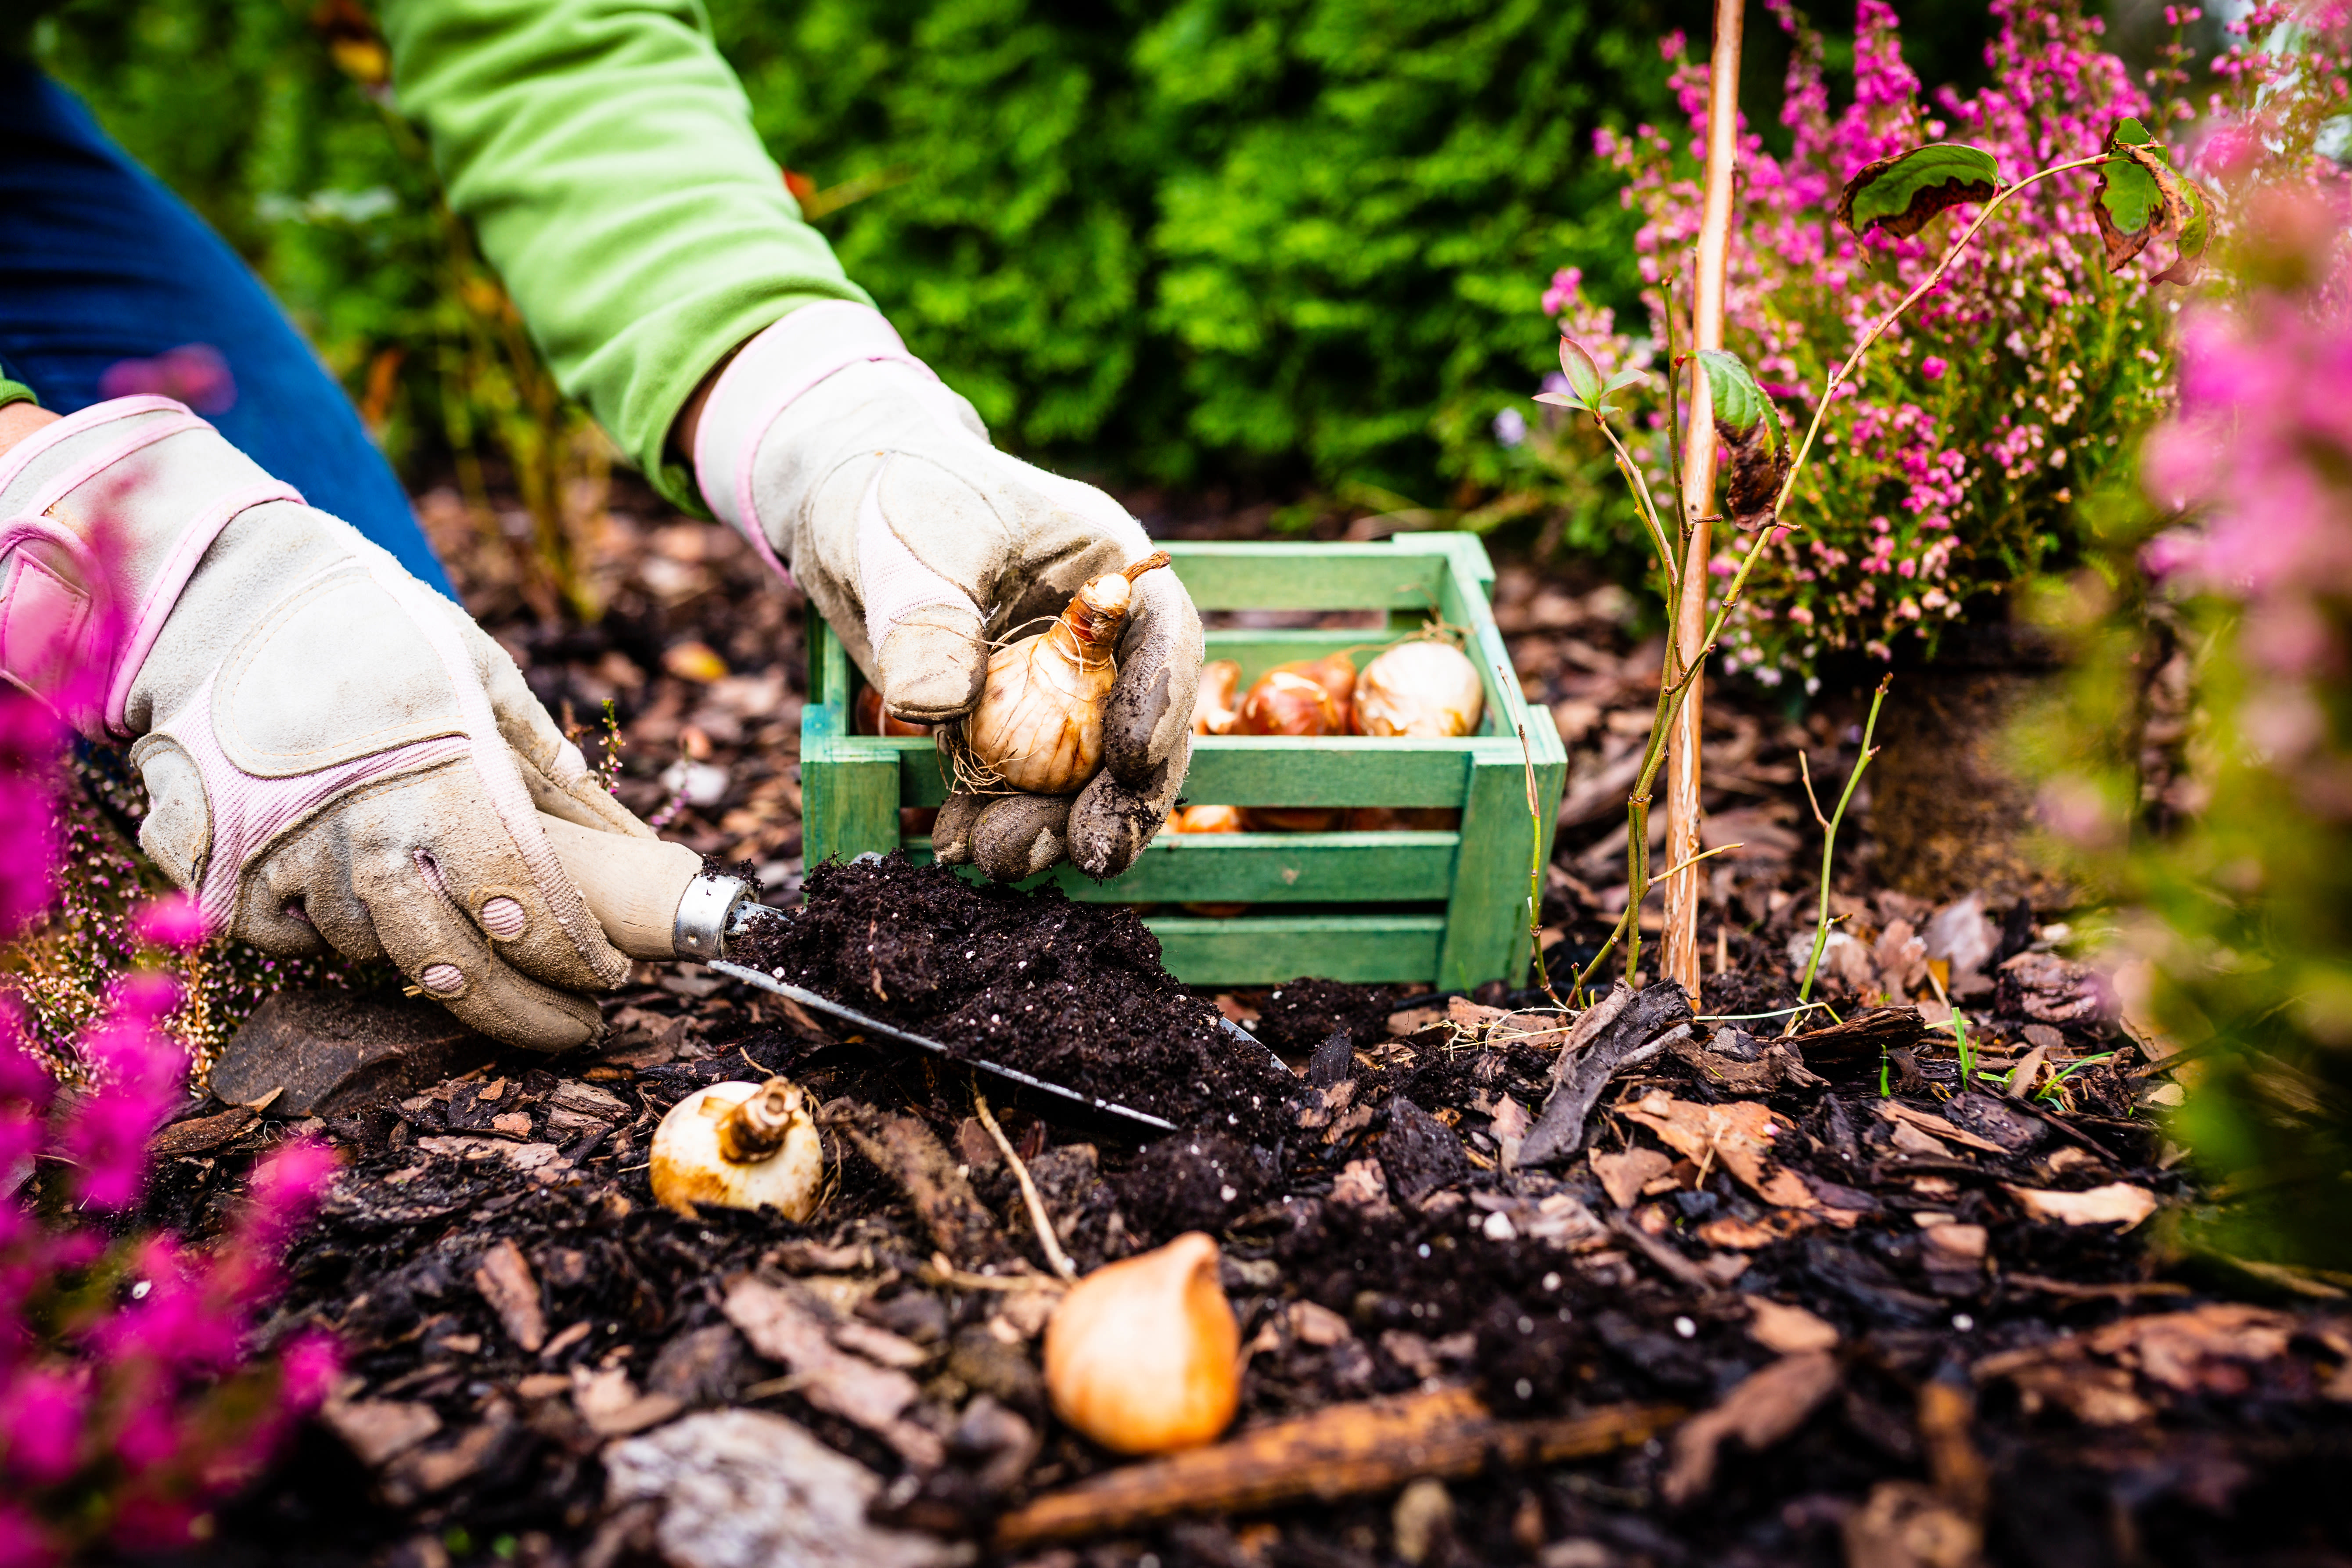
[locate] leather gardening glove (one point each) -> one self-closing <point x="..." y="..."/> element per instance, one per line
<point x="843" y="456"/>
<point x="334" y="755"/>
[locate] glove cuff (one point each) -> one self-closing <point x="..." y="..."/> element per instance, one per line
<point x="766" y="376"/>
<point x="94" y="551"/>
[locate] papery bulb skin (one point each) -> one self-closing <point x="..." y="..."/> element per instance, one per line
<point x="1206" y="819"/>
<point x="1038" y="728"/>
<point x="1426" y="689"/>
<point x="873" y="719"/>
<point x="1143" y="1355"/>
<point x="740" y="1146"/>
<point x="1217" y="707"/>
<point x="1284" y="702"/>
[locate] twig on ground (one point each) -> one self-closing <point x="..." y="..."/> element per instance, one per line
<point x="1036" y="1205"/>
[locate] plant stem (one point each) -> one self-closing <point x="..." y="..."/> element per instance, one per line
<point x="1642" y="504"/>
<point x="1829" y="837"/>
<point x="1534" y="867"/>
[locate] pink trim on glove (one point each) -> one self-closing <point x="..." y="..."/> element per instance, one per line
<point x="764" y="371"/>
<point x="20" y="455"/>
<point x="250" y="814"/>
<point x="163" y="593"/>
<point x="44" y="620"/>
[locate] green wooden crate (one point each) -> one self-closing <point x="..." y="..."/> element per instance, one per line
<point x="1445" y="908"/>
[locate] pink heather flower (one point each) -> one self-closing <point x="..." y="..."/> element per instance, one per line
<point x="173" y="921"/>
<point x="283" y="1192"/>
<point x="24" y="1543"/>
<point x="1564" y="286"/>
<point x="40" y="1424"/>
<point x="307" y="1368"/>
<point x="194" y="374"/>
<point x="1934" y="366"/>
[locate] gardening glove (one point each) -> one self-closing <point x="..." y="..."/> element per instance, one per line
<point x="843" y="458"/>
<point x="334" y="755"/>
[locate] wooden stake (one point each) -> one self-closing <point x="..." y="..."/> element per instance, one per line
<point x="1681" y="934"/>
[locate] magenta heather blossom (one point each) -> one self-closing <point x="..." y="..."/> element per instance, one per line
<point x="132" y="1394"/>
<point x="1950" y="469"/>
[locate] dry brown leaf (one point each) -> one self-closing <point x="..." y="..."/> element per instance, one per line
<point x="1736" y="1136"/>
<point x="830" y="1378"/>
<point x="1766" y="1407"/>
<point x="1789" y="1330"/>
<point x="378" y="1430"/>
<point x="1623" y="1176"/>
<point x="2117" y="1203"/>
<point x="2201" y="1349"/>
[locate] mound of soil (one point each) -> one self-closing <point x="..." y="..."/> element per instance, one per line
<point x="1070" y="992"/>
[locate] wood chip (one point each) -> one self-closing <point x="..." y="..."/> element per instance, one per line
<point x="504" y="1280"/>
<point x="2117" y="1203"/>
<point x="1786" y="1329"/>
<point x="1765" y="1408"/>
<point x="1904" y="1116"/>
<point x="204" y="1132"/>
<point x="828" y="1377"/>
<point x="379" y="1430"/>
<point x="612" y="1405"/>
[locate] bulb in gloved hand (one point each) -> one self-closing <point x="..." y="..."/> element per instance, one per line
<point x="1143" y="1355"/>
<point x="1038" y="728"/>
<point x="740" y="1146"/>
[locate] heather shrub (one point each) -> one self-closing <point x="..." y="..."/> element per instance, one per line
<point x="131" y="1396"/>
<point x="1951" y="469"/>
<point x="2201" y="769"/>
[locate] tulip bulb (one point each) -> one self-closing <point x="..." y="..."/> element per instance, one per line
<point x="1143" y="1355"/>
<point x="1217" y="707"/>
<point x="1425" y="688"/>
<point x="1038" y="727"/>
<point x="740" y="1146"/>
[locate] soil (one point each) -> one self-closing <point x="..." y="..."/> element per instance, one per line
<point x="1999" y="1385"/>
<point x="1070" y="992"/>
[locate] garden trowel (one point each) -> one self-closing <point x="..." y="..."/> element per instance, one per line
<point x="656" y="902"/>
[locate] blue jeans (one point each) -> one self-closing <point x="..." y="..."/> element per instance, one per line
<point x="99" y="264"/>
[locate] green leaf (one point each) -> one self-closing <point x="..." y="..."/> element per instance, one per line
<point x="1901" y="194"/>
<point x="1739" y="404"/>
<point x="2140" y="197"/>
<point x="1755" y="448"/>
<point x="1584" y="374"/>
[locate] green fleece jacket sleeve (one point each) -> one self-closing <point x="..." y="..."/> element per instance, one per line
<point x="603" y="153"/>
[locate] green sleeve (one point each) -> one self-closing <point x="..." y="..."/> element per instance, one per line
<point x="17" y="392"/>
<point x="603" y="153"/>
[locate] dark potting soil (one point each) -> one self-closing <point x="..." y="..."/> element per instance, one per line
<point x="1070" y="992"/>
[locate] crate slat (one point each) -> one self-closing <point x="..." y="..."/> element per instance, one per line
<point x="1268" y="868"/>
<point x="1226" y="576"/>
<point x="1266" y="951"/>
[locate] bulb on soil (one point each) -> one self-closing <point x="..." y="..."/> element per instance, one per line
<point x="740" y="1146"/>
<point x="1143" y="1355"/>
<point x="1038" y="727"/>
<point x="1429" y="689"/>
